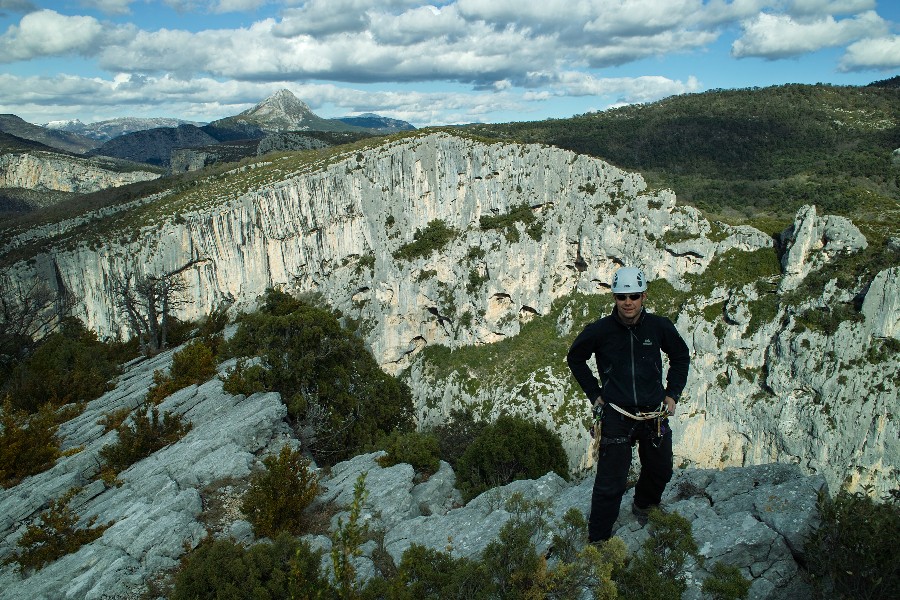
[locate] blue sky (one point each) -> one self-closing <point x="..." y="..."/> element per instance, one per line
<point x="445" y="62"/>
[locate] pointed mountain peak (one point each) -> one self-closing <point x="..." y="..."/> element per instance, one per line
<point x="281" y="110"/>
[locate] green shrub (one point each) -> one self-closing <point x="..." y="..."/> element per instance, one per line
<point x="432" y="238"/>
<point x="428" y="574"/>
<point x="69" y="366"/>
<point x="420" y="450"/>
<point x="735" y="268"/>
<point x="853" y="553"/>
<point x="476" y="281"/>
<point x="507" y="223"/>
<point x="54" y="536"/>
<point x="726" y="583"/>
<point x="475" y="253"/>
<point x="245" y="380"/>
<point x="513" y="562"/>
<point x="332" y="385"/>
<point x="28" y="442"/>
<point x="656" y="571"/>
<point x="277" y="497"/>
<point x="192" y="365"/>
<point x="146" y="433"/>
<point x="826" y="319"/>
<point x="346" y="541"/>
<point x="285" y="568"/>
<point x="456" y="434"/>
<point x="210" y="329"/>
<point x="511" y="448"/>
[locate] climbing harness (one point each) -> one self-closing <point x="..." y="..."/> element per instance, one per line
<point x="659" y="415"/>
<point x="596" y="430"/>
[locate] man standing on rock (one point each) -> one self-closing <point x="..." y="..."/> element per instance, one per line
<point x="630" y="404"/>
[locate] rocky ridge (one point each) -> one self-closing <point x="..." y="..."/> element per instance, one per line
<point x="760" y="390"/>
<point x="52" y="171"/>
<point x="754" y="518"/>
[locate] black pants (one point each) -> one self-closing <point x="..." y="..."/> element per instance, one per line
<point x="619" y="434"/>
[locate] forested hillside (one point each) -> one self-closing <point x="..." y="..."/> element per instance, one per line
<point x="751" y="155"/>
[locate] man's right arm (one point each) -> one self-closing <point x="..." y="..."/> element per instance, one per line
<point x="579" y="353"/>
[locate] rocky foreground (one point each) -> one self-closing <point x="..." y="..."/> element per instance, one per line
<point x="755" y="518"/>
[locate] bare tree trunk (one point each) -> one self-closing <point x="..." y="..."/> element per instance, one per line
<point x="148" y="302"/>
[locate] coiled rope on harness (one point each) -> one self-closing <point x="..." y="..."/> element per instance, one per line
<point x="660" y="414"/>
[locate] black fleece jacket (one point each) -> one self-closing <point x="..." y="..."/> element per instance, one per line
<point x="629" y="361"/>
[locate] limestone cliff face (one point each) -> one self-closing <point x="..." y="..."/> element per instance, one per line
<point x="48" y="171"/>
<point x="755" y="394"/>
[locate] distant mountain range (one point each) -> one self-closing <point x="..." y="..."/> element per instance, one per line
<point x="377" y="123"/>
<point x="152" y="141"/>
<point x="59" y="140"/>
<point x="113" y="128"/>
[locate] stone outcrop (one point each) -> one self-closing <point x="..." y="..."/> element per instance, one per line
<point x="754" y="518"/>
<point x="288" y="141"/>
<point x="193" y="159"/>
<point x="58" y="172"/>
<point x="762" y="388"/>
<point x="812" y="241"/>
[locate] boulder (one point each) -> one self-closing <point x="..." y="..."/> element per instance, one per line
<point x="812" y="241"/>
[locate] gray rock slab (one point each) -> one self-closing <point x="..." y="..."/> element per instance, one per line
<point x="153" y="512"/>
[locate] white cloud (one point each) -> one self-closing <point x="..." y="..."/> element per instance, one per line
<point x="829" y="7"/>
<point x="420" y="24"/>
<point x="43" y="99"/>
<point x="161" y="51"/>
<point x="328" y="17"/>
<point x="513" y="55"/>
<point x="227" y="6"/>
<point x="624" y="50"/>
<point x="48" y="33"/>
<point x="781" y="36"/>
<point x="110" y="7"/>
<point x="627" y="90"/>
<point x="639" y="18"/>
<point x="878" y="53"/>
<point x="17" y="5"/>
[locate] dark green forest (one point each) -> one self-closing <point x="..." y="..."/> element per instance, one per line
<point x="749" y="155"/>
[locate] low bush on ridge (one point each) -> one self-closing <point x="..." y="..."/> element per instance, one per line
<point x="192" y="365"/>
<point x="420" y="450"/>
<point x="508" y="449"/>
<point x="277" y="496"/>
<point x="336" y="393"/>
<point x="853" y="553"/>
<point x="146" y="432"/>
<point x="54" y="535"/>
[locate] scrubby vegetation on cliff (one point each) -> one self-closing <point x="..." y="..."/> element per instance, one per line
<point x="338" y="397"/>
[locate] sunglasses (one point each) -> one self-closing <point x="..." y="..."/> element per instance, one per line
<point x="624" y="297"/>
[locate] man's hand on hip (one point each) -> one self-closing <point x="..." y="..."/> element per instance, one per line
<point x="670" y="404"/>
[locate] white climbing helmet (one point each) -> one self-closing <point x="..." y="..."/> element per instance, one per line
<point x="629" y="280"/>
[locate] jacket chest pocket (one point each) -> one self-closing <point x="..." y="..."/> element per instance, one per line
<point x="647" y="353"/>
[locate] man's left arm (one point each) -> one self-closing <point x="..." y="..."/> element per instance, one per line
<point x="679" y="363"/>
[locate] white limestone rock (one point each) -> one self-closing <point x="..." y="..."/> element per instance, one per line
<point x="881" y="306"/>
<point x="812" y="241"/>
<point x="53" y="171"/>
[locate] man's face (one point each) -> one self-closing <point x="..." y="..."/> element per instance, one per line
<point x="629" y="305"/>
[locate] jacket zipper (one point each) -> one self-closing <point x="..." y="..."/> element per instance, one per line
<point x="633" y="378"/>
